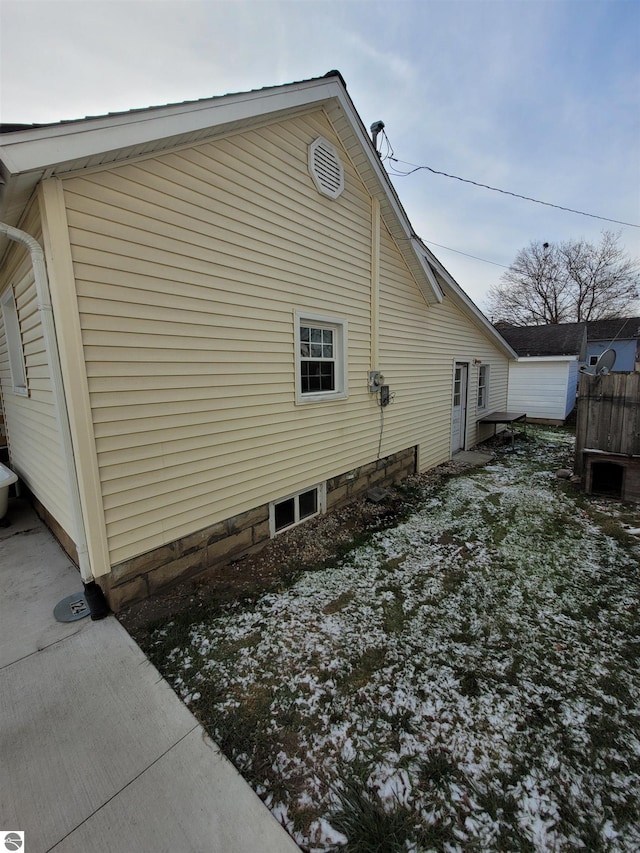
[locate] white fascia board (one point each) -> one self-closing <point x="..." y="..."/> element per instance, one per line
<point x="388" y="195"/>
<point x="428" y="269"/>
<point x="39" y="148"/>
<point x="467" y="304"/>
<point x="549" y="358"/>
<point x="36" y="150"/>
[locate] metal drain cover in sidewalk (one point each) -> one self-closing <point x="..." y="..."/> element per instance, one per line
<point x="71" y="608"/>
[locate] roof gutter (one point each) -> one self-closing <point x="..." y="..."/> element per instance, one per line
<point x="51" y="343"/>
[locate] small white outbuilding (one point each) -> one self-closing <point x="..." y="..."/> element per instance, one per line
<point x="543" y="381"/>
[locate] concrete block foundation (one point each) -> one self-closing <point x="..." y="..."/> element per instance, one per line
<point x="235" y="537"/>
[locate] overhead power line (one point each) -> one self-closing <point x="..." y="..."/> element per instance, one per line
<point x="466" y="254"/>
<point x="415" y="168"/>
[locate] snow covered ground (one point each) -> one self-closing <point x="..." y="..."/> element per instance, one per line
<point x="467" y="680"/>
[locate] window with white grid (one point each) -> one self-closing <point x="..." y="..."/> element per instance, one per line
<point x="483" y="386"/>
<point x="320" y="358"/>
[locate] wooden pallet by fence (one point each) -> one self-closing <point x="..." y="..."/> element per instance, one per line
<point x="608" y="415"/>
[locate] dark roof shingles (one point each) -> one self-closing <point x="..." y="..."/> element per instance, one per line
<point x="561" y="339"/>
<point x="622" y="328"/>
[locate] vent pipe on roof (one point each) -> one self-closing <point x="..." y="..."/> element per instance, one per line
<point x="376" y="128"/>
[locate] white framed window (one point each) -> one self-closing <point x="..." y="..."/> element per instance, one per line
<point x="321" y="348"/>
<point x="14" y="343"/>
<point x="483" y="386"/>
<point x="286" y="513"/>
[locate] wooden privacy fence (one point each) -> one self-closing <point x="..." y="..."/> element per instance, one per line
<point x="608" y="415"/>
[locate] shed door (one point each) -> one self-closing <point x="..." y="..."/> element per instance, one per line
<point x="459" y="418"/>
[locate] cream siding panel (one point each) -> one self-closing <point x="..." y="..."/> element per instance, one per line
<point x="189" y="268"/>
<point x="32" y="424"/>
<point x="418" y="347"/>
<point x="468" y="343"/>
<point x="404" y="351"/>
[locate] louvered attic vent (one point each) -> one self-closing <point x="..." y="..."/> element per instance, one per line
<point x="326" y="167"/>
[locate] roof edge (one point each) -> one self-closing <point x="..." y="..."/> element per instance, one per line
<point x="465" y="302"/>
<point x="29" y="153"/>
<point x="30" y="149"/>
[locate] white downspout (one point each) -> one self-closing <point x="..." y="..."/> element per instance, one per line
<point x="51" y="343"/>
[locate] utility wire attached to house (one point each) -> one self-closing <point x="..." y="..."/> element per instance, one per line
<point x="414" y="168"/>
<point x="466" y="254"/>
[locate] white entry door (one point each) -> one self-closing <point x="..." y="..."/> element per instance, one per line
<point x="459" y="418"/>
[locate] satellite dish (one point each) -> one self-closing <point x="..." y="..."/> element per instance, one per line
<point x="605" y="362"/>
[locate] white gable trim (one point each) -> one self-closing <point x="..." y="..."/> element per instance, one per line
<point x="53" y="145"/>
<point x="428" y="269"/>
<point x="27" y="156"/>
<point x="546" y="358"/>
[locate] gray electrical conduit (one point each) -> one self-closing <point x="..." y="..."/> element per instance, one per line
<point x="44" y="307"/>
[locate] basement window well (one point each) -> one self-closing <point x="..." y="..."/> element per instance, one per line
<point x="290" y="511"/>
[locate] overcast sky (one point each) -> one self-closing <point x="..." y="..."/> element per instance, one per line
<point x="536" y="97"/>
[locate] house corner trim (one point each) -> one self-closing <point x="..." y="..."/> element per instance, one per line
<point x="75" y="388"/>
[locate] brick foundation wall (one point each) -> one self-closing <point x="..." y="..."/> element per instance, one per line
<point x="226" y="541"/>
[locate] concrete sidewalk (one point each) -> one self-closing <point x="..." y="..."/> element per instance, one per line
<point x="96" y="751"/>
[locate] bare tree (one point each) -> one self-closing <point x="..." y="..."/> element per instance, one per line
<point x="567" y="282"/>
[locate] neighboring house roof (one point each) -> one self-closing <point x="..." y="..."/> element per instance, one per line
<point x="621" y="328"/>
<point x="34" y="152"/>
<point x="558" y="339"/>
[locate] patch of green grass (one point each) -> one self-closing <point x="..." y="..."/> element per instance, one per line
<point x="611" y="524"/>
<point x="338" y="603"/>
<point x="513" y="672"/>
<point x="400" y="721"/>
<point x="266" y="721"/>
<point x="452" y="579"/>
<point x="394" y="619"/>
<point x="241" y="730"/>
<point x="469" y="684"/>
<point x="603" y="734"/>
<point x="392" y="565"/>
<point x="364" y="666"/>
<point x="372" y="826"/>
<point x="501" y="805"/>
<point x="437" y="769"/>
<point x="612" y="527"/>
<point x="630" y="650"/>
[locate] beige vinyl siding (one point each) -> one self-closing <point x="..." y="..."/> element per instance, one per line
<point x="32" y="422"/>
<point x="404" y="353"/>
<point x="189" y="268"/>
<point x="455" y="337"/>
<point x="418" y="350"/>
